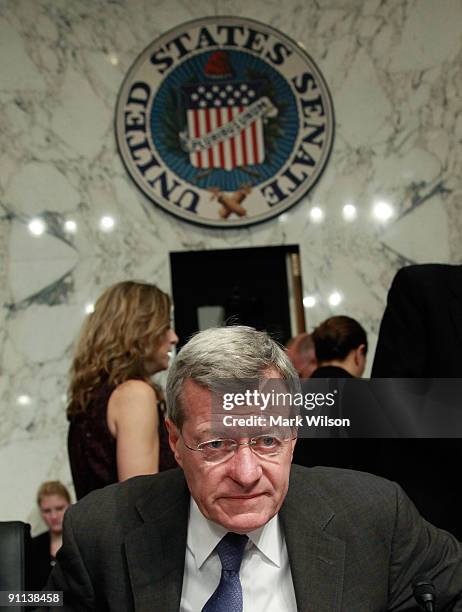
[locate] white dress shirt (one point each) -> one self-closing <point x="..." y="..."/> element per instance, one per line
<point x="265" y="572"/>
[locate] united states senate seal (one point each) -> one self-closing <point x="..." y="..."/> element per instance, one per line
<point x="224" y="122"/>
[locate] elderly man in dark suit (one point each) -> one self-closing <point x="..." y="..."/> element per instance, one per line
<point x="239" y="530"/>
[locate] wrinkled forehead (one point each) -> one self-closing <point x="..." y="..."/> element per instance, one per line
<point x="199" y="420"/>
<point x="195" y="397"/>
<point x="235" y="408"/>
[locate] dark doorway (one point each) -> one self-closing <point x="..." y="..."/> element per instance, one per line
<point x="260" y="287"/>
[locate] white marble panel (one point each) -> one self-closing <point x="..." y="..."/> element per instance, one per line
<point x="42" y="333"/>
<point x="81" y="119"/>
<point x="37" y="187"/>
<point x="429" y="36"/>
<point x="363" y="109"/>
<point x="36" y="262"/>
<point x="417" y="248"/>
<point x="16" y="66"/>
<point x="25" y="470"/>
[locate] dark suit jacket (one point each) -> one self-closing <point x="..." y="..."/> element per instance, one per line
<point x="421" y="336"/>
<point x="355" y="543"/>
<point x="421" y="330"/>
<point x="330" y="372"/>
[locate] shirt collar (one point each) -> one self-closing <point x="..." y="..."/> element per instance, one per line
<point x="204" y="535"/>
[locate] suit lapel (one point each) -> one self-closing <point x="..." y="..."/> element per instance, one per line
<point x="155" y="553"/>
<point x="316" y="558"/>
<point x="155" y="550"/>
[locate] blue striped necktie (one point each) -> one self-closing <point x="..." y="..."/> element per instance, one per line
<point x="228" y="594"/>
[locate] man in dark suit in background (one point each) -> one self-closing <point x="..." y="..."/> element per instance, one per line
<point x="239" y="530"/>
<point x="421" y="337"/>
<point x="421" y="331"/>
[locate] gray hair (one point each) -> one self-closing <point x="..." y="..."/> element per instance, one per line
<point x="223" y="352"/>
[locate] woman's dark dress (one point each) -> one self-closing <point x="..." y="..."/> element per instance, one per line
<point x="41" y="561"/>
<point x="92" y="448"/>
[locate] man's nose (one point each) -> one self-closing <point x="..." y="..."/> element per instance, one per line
<point x="246" y="468"/>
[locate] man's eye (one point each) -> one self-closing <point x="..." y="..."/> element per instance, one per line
<point x="214" y="445"/>
<point x="267" y="442"/>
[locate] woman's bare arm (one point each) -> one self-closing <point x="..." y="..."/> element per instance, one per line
<point x="133" y="420"/>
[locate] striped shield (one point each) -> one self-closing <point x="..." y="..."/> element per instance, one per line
<point x="220" y="132"/>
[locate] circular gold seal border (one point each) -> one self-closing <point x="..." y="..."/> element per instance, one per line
<point x="229" y="201"/>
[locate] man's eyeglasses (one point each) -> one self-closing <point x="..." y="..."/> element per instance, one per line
<point x="222" y="449"/>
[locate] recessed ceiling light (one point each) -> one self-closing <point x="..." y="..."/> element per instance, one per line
<point x="70" y="226"/>
<point x="349" y="212"/>
<point x="23" y="400"/>
<point x="335" y="298"/>
<point x="316" y="214"/>
<point x="36" y="227"/>
<point x="107" y="223"/>
<point x="382" y="211"/>
<point x="309" y="301"/>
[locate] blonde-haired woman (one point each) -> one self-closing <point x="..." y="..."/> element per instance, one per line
<point x="115" y="411"/>
<point x="53" y="499"/>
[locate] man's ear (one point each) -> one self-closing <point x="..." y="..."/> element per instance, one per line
<point x="173" y="440"/>
<point x="360" y="352"/>
<point x="293" y="443"/>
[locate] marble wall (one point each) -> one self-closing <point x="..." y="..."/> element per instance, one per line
<point x="393" y="68"/>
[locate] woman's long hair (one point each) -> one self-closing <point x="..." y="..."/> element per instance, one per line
<point x="119" y="340"/>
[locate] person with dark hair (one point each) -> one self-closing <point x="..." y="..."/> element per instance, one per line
<point x="53" y="499"/>
<point x="238" y="529"/>
<point x="115" y="411"/>
<point x="341" y="348"/>
<point x="301" y="352"/>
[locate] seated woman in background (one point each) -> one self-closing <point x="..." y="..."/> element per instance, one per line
<point x="116" y="413"/>
<point x="341" y="348"/>
<point x="53" y="499"/>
